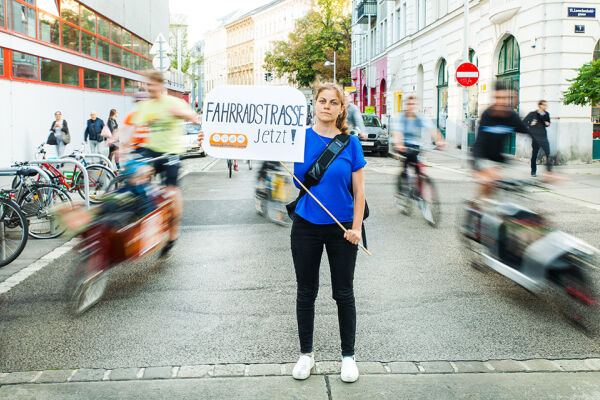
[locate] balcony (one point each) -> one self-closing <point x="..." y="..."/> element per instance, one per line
<point x="366" y="9"/>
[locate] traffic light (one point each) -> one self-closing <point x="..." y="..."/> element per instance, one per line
<point x="268" y="76"/>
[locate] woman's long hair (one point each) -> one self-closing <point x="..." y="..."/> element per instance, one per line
<point x="340" y="122"/>
<point x="112" y="113"/>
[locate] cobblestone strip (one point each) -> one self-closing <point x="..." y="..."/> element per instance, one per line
<point x="208" y="371"/>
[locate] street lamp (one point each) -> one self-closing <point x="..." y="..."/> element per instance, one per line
<point x="329" y="64"/>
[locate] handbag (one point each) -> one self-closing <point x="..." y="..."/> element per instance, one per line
<point x="66" y="137"/>
<point x="51" y="139"/>
<point x="105" y="133"/>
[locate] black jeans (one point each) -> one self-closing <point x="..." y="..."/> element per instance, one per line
<point x="410" y="156"/>
<point x="308" y="241"/>
<point x="536" y="144"/>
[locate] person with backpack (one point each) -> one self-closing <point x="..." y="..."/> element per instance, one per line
<point x="340" y="188"/>
<point x="537" y="121"/>
<point x="93" y="133"/>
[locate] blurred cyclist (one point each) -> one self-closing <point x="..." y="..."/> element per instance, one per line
<point x="163" y="115"/>
<point x="497" y="123"/>
<point x="406" y="135"/>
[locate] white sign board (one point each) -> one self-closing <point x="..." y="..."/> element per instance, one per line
<point x="255" y="123"/>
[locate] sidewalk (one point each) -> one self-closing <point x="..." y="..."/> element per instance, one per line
<point x="499" y="379"/>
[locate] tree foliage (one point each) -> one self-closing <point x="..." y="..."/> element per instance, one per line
<point x="585" y="88"/>
<point x="325" y="29"/>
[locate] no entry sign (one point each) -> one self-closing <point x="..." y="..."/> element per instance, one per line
<point x="467" y="74"/>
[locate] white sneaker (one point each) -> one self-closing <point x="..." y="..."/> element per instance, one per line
<point x="303" y="367"/>
<point x="349" y="370"/>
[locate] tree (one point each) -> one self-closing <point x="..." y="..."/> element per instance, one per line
<point x="585" y="88"/>
<point x="325" y="29"/>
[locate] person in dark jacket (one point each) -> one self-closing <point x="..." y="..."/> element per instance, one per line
<point x="93" y="132"/>
<point x="537" y="121"/>
<point x="59" y="127"/>
<point x="113" y="148"/>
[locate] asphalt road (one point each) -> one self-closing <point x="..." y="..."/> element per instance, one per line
<point x="227" y="295"/>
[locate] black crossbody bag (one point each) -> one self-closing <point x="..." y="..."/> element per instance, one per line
<point x="317" y="170"/>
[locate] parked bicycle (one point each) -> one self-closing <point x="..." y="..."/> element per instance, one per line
<point x="13" y="231"/>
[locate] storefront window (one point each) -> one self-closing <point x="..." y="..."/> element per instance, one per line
<point x="103" y="50"/>
<point x="69" y="11"/>
<point x="21" y="18"/>
<point x="116" y="34"/>
<point x="90" y="79"/>
<point x="88" y="20"/>
<point x="49" y="70"/>
<point x="103" y="27"/>
<point x="25" y="66"/>
<point x="116" y="55"/>
<point x="70" y="75"/>
<point x="115" y="84"/>
<point x="49" y="29"/>
<point x="70" y="37"/>
<point x="104" y="82"/>
<point x="88" y="44"/>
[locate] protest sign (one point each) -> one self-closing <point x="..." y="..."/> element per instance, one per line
<point x="255" y="123"/>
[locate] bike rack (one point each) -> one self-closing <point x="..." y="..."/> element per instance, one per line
<point x="13" y="171"/>
<point x="86" y="182"/>
<point x="95" y="155"/>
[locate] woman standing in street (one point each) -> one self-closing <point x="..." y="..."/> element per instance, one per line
<point x="313" y="229"/>
<point x="60" y="128"/>
<point x="113" y="147"/>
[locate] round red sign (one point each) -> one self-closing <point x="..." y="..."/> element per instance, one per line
<point x="467" y="74"/>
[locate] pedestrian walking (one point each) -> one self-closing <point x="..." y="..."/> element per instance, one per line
<point x="92" y="134"/>
<point x="113" y="147"/>
<point x="341" y="190"/>
<point x="59" y="134"/>
<point x="355" y="120"/>
<point x="537" y="121"/>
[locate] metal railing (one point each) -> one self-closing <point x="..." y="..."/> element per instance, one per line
<point x="93" y="155"/>
<point x="13" y="171"/>
<point x="365" y="9"/>
<point x="86" y="180"/>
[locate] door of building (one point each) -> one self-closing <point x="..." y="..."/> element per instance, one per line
<point x="509" y="62"/>
<point x="442" y="97"/>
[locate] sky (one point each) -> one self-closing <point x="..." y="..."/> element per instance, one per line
<point x="203" y="14"/>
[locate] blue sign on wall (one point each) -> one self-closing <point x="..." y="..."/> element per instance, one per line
<point x="582" y="12"/>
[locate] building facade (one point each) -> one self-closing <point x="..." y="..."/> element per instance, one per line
<point x="70" y="56"/>
<point x="413" y="47"/>
<point x="240" y="51"/>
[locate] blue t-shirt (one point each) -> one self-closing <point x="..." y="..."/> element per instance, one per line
<point x="334" y="188"/>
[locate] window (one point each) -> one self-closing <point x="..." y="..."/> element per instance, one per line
<point x="116" y="55"/>
<point x="145" y="49"/>
<point x="70" y="37"/>
<point x="115" y="84"/>
<point x="21" y="18"/>
<point x="399" y="23"/>
<point x="49" y="6"/>
<point x="137" y="64"/>
<point x="90" y="79"/>
<point x="2" y="13"/>
<point x="103" y="50"/>
<point x="127" y="61"/>
<point x="104" y="82"/>
<point x="404" y="19"/>
<point x="442" y="8"/>
<point x="103" y="27"/>
<point x="88" y="20"/>
<point x="69" y="11"/>
<point x="137" y="45"/>
<point x="49" y="29"/>
<point x="127" y="40"/>
<point x="70" y="75"/>
<point x="129" y="86"/>
<point x="25" y="66"/>
<point x="116" y="34"/>
<point x="1" y="61"/>
<point x="49" y="70"/>
<point x="88" y="44"/>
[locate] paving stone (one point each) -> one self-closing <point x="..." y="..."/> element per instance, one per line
<point x="471" y="367"/>
<point x="55" y="376"/>
<point x="88" y="375"/>
<point x="123" y="374"/>
<point x="541" y="365"/>
<point x="157" y="373"/>
<point x="229" y="370"/>
<point x="507" y="366"/>
<point x="264" y="370"/>
<point x="328" y="367"/>
<point x="368" y="367"/>
<point x="593" y="363"/>
<point x="573" y="365"/>
<point x="18" y="377"/>
<point x="194" y="371"/>
<point x="436" y="367"/>
<point x="288" y="368"/>
<point x="401" y="367"/>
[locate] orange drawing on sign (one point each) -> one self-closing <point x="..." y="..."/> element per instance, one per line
<point x="231" y="140"/>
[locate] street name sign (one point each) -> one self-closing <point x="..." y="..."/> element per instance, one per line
<point x="255" y="123"/>
<point x="467" y="74"/>
<point x="582" y="12"/>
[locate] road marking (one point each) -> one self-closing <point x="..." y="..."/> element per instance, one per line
<point x="36" y="266"/>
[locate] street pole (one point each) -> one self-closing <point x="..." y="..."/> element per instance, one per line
<point x="334" y="68"/>
<point x="465" y="133"/>
<point x="368" y="62"/>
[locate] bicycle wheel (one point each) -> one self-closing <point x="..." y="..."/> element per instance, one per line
<point x="99" y="179"/>
<point x="429" y="202"/>
<point x="116" y="183"/>
<point x="88" y="282"/>
<point x="13" y="231"/>
<point x="38" y="203"/>
<point x="229" y="166"/>
<point x="402" y="196"/>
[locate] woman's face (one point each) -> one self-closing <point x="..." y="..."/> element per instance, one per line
<point x="58" y="116"/>
<point x="328" y="106"/>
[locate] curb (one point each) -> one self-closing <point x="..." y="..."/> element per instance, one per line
<point x="208" y="371"/>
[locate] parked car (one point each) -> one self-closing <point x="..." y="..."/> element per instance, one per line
<point x="378" y="139"/>
<point x="190" y="140"/>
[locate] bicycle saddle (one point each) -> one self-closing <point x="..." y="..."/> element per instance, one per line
<point x="27" y="172"/>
